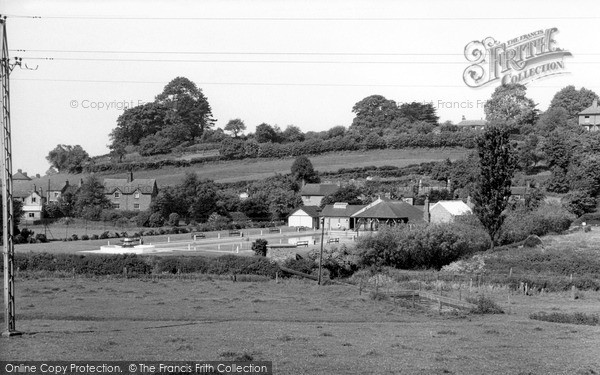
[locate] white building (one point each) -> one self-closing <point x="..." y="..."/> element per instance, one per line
<point x="446" y="211"/>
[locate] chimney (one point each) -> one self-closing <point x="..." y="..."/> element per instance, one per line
<point x="130" y="176"/>
<point x="20" y="170"/>
<point x="426" y="215"/>
<point x="464" y="118"/>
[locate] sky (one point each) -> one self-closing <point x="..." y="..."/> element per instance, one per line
<point x="304" y="63"/>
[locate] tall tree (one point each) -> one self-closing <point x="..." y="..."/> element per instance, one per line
<point x="509" y="106"/>
<point x="265" y="133"/>
<point x="292" y="133"/>
<point x="374" y="111"/>
<point x="235" y="126"/>
<point x="90" y="199"/>
<point x="416" y="111"/>
<point x="573" y="100"/>
<point x="67" y="158"/>
<point x="303" y="170"/>
<point x="497" y="163"/>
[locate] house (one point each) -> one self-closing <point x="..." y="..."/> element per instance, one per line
<point x="313" y="194"/>
<point x="388" y="212"/>
<point x="471" y="124"/>
<point x="33" y="202"/>
<point x="20" y="176"/>
<point x="338" y="216"/>
<point x="305" y="216"/>
<point x="447" y="211"/>
<point x="129" y="194"/>
<point x="55" y="191"/>
<point x="589" y="118"/>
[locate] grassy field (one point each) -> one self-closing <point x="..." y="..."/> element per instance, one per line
<point x="255" y="169"/>
<point x="301" y="327"/>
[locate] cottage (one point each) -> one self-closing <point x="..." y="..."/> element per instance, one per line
<point x="471" y="124"/>
<point x="33" y="203"/>
<point x="589" y="118"/>
<point x="306" y="216"/>
<point x="313" y="194"/>
<point x="447" y="211"/>
<point x="130" y="194"/>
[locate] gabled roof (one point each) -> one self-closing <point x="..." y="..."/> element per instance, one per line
<point x="338" y="210"/>
<point x="384" y="209"/>
<point x="319" y="189"/>
<point x="312" y="211"/>
<point x="145" y="185"/>
<point x="594" y="109"/>
<point x="20" y="176"/>
<point x="455" y="208"/>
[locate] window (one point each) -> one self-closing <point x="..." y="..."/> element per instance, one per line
<point x="116" y="206"/>
<point x="136" y="206"/>
<point x="587" y="119"/>
<point x="117" y="194"/>
<point x="56" y="194"/>
<point x="33" y="199"/>
<point x="136" y="195"/>
<point x="31" y="214"/>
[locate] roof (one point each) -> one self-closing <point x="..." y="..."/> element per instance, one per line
<point x="145" y="186"/>
<point x="384" y="209"/>
<point x="472" y="123"/>
<point x="594" y="109"/>
<point x="455" y="208"/>
<point x="337" y="210"/>
<point x="312" y="211"/>
<point x="20" y="176"/>
<point x="319" y="189"/>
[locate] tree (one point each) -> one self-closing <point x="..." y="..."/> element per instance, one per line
<point x="235" y="126"/>
<point x="265" y="133"/>
<point x="186" y="105"/>
<point x="137" y="123"/>
<point x="90" y="200"/>
<point x="302" y="170"/>
<point x="374" y="111"/>
<point x="416" y="111"/>
<point x="510" y="107"/>
<point x="529" y="155"/>
<point x="552" y="119"/>
<point x="260" y="247"/>
<point x="558" y="151"/>
<point x="497" y="164"/>
<point x="292" y="133"/>
<point x="67" y="158"/>
<point x="349" y="194"/>
<point x="572" y="100"/>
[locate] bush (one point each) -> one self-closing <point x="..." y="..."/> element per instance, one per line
<point x="104" y="235"/>
<point x="74" y="237"/>
<point x="142" y="219"/>
<point x="41" y="238"/>
<point x="547" y="218"/>
<point x="484" y="305"/>
<point x="94" y="237"/>
<point x="260" y="247"/>
<point x="85" y="237"/>
<point x="572" y="318"/>
<point x="307" y="266"/>
<point x="156" y="220"/>
<point x="431" y="246"/>
<point x="173" y="219"/>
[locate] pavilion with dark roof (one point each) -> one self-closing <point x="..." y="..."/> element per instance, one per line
<point x="388" y="212"/>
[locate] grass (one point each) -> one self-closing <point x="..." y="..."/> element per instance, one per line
<point x="256" y="169"/>
<point x="215" y="319"/>
<point x="572" y="318"/>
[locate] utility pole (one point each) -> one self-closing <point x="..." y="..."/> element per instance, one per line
<point x="7" y="185"/>
<point x="321" y="256"/>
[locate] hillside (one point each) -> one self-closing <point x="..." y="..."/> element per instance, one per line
<point x="255" y="169"/>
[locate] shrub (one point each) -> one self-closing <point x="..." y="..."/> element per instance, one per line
<point x="85" y="237"/>
<point x="260" y="247"/>
<point x="41" y="238"/>
<point x="547" y="218"/>
<point x="156" y="220"/>
<point x="74" y="237"/>
<point x="94" y="237"/>
<point x="173" y="219"/>
<point x="142" y="218"/>
<point x="431" y="246"/>
<point x="573" y="318"/>
<point x="307" y="266"/>
<point x="104" y="235"/>
<point x="484" y="305"/>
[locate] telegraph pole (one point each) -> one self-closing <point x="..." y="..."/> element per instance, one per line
<point x="7" y="187"/>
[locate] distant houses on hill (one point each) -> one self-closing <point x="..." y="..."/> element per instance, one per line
<point x="589" y="118"/>
<point x="129" y="194"/>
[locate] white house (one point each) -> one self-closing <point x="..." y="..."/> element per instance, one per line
<point x="32" y="206"/>
<point x="306" y="216"/>
<point x="446" y="211"/>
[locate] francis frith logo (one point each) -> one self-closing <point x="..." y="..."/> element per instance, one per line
<point x="520" y="60"/>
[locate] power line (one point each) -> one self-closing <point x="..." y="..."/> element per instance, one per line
<point x="287" y="19"/>
<point x="208" y="83"/>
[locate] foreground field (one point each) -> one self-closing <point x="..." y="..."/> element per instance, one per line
<point x="301" y="327"/>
